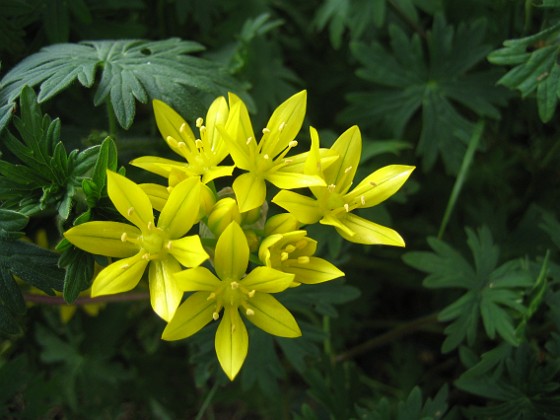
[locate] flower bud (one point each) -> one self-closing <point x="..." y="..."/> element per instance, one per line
<point x="222" y="214"/>
<point x="281" y="223"/>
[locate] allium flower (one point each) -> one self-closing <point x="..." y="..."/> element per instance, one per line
<point x="233" y="292"/>
<point x="266" y="159"/>
<point x="333" y="204"/>
<point x="162" y="247"/>
<point x="203" y="155"/>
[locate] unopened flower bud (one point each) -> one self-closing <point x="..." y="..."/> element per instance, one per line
<point x="222" y="214"/>
<point x="281" y="223"/>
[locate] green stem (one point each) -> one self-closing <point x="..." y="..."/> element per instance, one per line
<point x="390" y="336"/>
<point x="207" y="401"/>
<point x="327" y="345"/>
<point x="59" y="300"/>
<point x="528" y="16"/>
<point x="461" y="176"/>
<point x="112" y="119"/>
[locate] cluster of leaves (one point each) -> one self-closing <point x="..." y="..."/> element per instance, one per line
<point x="463" y="325"/>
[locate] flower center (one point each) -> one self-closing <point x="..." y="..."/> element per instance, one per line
<point x="232" y="293"/>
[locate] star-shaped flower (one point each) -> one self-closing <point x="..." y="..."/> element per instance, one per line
<point x="233" y="291"/>
<point x="203" y="155"/>
<point x="333" y="204"/>
<point x="163" y="247"/>
<point x="266" y="160"/>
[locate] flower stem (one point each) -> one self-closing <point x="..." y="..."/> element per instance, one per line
<point x="59" y="300"/>
<point x="327" y="345"/>
<point x="207" y="401"/>
<point x="390" y="336"/>
<point x="111" y="118"/>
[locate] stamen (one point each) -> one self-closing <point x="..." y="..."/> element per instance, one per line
<point x="182" y="145"/>
<point x="331" y="187"/>
<point x="251" y="293"/>
<point x="124" y="237"/>
<point x="234" y="285"/>
<point x="363" y="200"/>
<point x="266" y="130"/>
<point x="293" y="143"/>
<point x="125" y="266"/>
<point x="199" y="122"/>
<point x="169" y="245"/>
<point x="151" y="225"/>
<point x="348" y="169"/>
<point x="289" y="248"/>
<point x="146" y="256"/>
<point x="249" y="312"/>
<point x="198" y="143"/>
<point x="249" y="140"/>
<point x="288" y="161"/>
<point x="346" y="207"/>
<point x="215" y="316"/>
<point x="211" y="296"/>
<point x="171" y="141"/>
<point x="266" y="157"/>
<point x="130" y="211"/>
<point x="281" y="126"/>
<point x="284" y="256"/>
<point x="303" y="259"/>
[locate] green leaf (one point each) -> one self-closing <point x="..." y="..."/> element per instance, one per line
<point x="130" y="70"/>
<point x="493" y="294"/>
<point x="438" y="84"/>
<point x="536" y="69"/>
<point x="79" y="272"/>
<point x="12" y="224"/>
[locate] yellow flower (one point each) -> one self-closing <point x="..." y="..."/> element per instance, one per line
<point x="266" y="159"/>
<point x="333" y="204"/>
<point x="162" y="248"/>
<point x="232" y="291"/>
<point x="203" y="155"/>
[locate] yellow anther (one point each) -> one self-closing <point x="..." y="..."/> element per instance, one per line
<point x="346" y="207"/>
<point x="266" y="130"/>
<point x="266" y="157"/>
<point x="363" y="200"/>
<point x="130" y="211"/>
<point x="182" y="145"/>
<point x="169" y="245"/>
<point x="347" y="169"/>
<point x="303" y="259"/>
<point x="215" y="316"/>
<point x="251" y="293"/>
<point x="171" y="141"/>
<point x="249" y="312"/>
<point x="198" y="143"/>
<point x="211" y="296"/>
<point x="249" y="140"/>
<point x="146" y="256"/>
<point x="331" y="187"/>
<point x="151" y="225"/>
<point x="289" y="248"/>
<point x="293" y="143"/>
<point x="199" y="122"/>
<point x="125" y="266"/>
<point x="234" y="285"/>
<point x="284" y="256"/>
<point x="124" y="237"/>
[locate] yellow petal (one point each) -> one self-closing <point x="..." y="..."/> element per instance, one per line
<point x="158" y="194"/>
<point x="105" y="238"/>
<point x="232" y="342"/>
<point x="193" y="314"/>
<point x="165" y="294"/>
<point x="169" y="124"/>
<point x="217" y="116"/>
<point x="232" y="253"/>
<point x="267" y="280"/>
<point x="130" y="200"/>
<point x="197" y="279"/>
<point x="284" y="124"/>
<point x="289" y="180"/>
<point x="271" y="316"/>
<point x="120" y="276"/>
<point x="380" y="185"/>
<point x="217" y="172"/>
<point x="250" y="191"/>
<point x="305" y="209"/>
<point x="368" y="233"/>
<point x="181" y="210"/>
<point x="159" y="166"/>
<point x="241" y="119"/>
<point x="316" y="270"/>
<point x="188" y="251"/>
<point x="341" y="172"/>
<point x="280" y="223"/>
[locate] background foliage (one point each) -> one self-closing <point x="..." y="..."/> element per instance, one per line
<point x="462" y="323"/>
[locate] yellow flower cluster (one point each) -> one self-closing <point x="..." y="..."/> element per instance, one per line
<point x="234" y="225"/>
